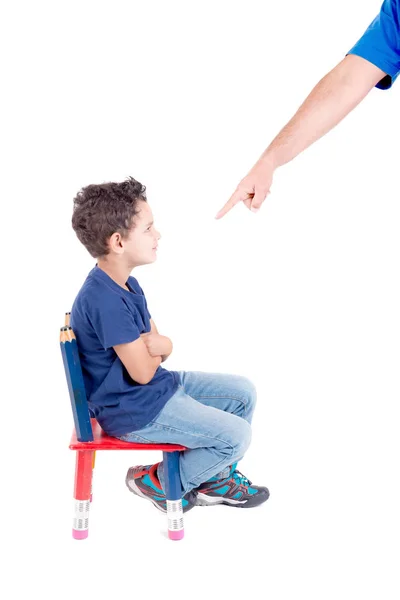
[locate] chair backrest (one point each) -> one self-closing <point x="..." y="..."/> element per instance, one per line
<point x="76" y="386"/>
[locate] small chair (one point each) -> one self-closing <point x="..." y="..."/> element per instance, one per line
<point x="88" y="437"/>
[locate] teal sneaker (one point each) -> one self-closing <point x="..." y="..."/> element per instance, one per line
<point x="233" y="490"/>
<point x="143" y="482"/>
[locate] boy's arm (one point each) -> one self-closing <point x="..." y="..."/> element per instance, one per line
<point x="138" y="361"/>
<point x="166" y="343"/>
<point x="153" y="327"/>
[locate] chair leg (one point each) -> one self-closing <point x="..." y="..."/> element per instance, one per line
<point x="174" y="495"/>
<point x="83" y="483"/>
<point x="93" y="463"/>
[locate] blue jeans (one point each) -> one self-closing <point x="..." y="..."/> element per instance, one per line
<point x="210" y="414"/>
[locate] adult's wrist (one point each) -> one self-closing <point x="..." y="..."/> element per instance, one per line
<point x="268" y="160"/>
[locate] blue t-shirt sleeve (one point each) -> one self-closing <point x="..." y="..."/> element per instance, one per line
<point x="380" y="44"/>
<point x="114" y="324"/>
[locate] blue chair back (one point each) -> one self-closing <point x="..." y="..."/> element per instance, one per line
<point x="76" y="386"/>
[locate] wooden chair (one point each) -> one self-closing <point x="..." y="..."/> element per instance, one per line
<point x="88" y="437"/>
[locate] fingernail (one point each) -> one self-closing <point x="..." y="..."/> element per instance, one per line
<point x="254" y="209"/>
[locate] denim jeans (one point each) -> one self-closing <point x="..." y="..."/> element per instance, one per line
<point x="210" y="414"/>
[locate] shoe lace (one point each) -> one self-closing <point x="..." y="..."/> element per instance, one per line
<point x="240" y="479"/>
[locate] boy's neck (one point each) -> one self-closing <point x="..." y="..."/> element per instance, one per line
<point x="118" y="273"/>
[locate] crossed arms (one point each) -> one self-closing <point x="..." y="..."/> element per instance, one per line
<point x="142" y="357"/>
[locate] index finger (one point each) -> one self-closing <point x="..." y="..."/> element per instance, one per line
<point x="236" y="197"/>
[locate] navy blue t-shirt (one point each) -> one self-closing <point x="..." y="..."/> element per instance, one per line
<point x="104" y="314"/>
<point x="380" y="44"/>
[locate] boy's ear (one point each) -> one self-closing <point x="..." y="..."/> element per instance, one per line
<point x="115" y="243"/>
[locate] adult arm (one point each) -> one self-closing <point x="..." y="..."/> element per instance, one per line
<point x="334" y="97"/>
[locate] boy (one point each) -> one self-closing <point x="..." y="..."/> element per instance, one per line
<point x="130" y="394"/>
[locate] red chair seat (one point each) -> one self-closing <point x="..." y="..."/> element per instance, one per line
<point x="102" y="441"/>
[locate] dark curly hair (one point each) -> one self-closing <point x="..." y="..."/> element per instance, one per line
<point x="101" y="210"/>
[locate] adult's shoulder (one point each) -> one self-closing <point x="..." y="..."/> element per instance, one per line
<point x="380" y="43"/>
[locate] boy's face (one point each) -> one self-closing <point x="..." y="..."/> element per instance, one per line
<point x="140" y="247"/>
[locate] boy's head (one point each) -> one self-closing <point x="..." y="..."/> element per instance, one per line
<point x="113" y="220"/>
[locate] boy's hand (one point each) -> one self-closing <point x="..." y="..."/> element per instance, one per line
<point x="157" y="345"/>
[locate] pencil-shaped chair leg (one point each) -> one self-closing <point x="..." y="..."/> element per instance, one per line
<point x="173" y="493"/>
<point x="83" y="483"/>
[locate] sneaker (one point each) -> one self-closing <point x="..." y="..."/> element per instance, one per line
<point x="234" y="490"/>
<point x="143" y="481"/>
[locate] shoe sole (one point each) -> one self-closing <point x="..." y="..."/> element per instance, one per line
<point x="206" y="500"/>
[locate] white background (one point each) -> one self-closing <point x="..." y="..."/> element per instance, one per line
<point x="303" y="297"/>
